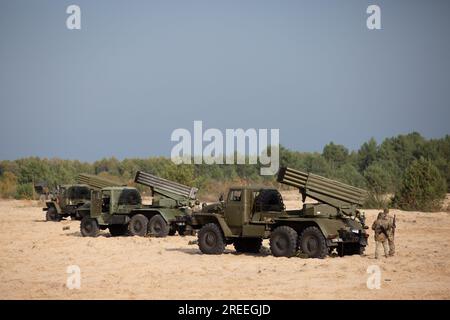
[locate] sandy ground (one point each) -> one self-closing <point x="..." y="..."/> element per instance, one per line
<point x="34" y="256"/>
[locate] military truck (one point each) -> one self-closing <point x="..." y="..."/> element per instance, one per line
<point x="250" y="214"/>
<point x="120" y="209"/>
<point x="70" y="197"/>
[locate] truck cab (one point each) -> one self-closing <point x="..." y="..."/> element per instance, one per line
<point x="120" y="208"/>
<point x="114" y="201"/>
<point x="66" y="202"/>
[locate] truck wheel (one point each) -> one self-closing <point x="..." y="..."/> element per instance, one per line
<point x="284" y="242"/>
<point x="118" y="230"/>
<point x="89" y="227"/>
<point x="158" y="227"/>
<point x="138" y="225"/>
<point x="250" y="245"/>
<point x="313" y="243"/>
<point x="52" y="215"/>
<point x="210" y="239"/>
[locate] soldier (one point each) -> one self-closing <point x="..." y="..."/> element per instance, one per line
<point x="381" y="234"/>
<point x="391" y="232"/>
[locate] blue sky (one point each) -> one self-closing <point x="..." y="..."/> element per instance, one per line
<point x="137" y="70"/>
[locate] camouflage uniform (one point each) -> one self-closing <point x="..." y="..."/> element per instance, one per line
<point x="391" y="232"/>
<point x="380" y="226"/>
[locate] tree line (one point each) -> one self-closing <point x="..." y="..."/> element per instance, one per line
<point x="413" y="170"/>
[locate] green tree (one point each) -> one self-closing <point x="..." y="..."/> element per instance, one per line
<point x="349" y="174"/>
<point x="367" y="154"/>
<point x="336" y="154"/>
<point x="379" y="183"/>
<point x="423" y="187"/>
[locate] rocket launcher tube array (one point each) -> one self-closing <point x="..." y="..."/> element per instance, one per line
<point x="322" y="189"/>
<point x="161" y="184"/>
<point x="95" y="182"/>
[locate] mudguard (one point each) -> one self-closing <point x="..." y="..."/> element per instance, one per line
<point x="168" y="214"/>
<point x="203" y="219"/>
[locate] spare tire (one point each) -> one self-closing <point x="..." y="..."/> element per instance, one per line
<point x="269" y="200"/>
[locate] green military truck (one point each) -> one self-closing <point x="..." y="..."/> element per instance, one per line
<point x="70" y="198"/>
<point x="121" y="211"/>
<point x="250" y="214"/>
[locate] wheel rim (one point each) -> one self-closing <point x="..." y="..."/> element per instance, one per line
<point x="281" y="243"/>
<point x="137" y="226"/>
<point x="157" y="227"/>
<point x="210" y="239"/>
<point x="88" y="227"/>
<point x="312" y="244"/>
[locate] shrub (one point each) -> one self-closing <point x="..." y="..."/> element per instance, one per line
<point x="25" y="191"/>
<point x="8" y="185"/>
<point x="423" y="188"/>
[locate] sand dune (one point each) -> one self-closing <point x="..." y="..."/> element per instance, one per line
<point x="34" y="256"/>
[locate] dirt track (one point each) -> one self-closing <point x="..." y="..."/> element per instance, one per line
<point x="35" y="254"/>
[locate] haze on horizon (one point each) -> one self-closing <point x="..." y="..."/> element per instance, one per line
<point x="138" y="70"/>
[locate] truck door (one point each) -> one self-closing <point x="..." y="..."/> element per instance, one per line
<point x="234" y="210"/>
<point x="96" y="203"/>
<point x="61" y="198"/>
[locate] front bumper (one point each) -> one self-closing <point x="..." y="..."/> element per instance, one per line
<point x="353" y="236"/>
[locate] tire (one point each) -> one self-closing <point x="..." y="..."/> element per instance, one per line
<point x="284" y="242"/>
<point x="211" y="239"/>
<point x="89" y="227"/>
<point x="138" y="225"/>
<point x="158" y="227"/>
<point x="52" y="215"/>
<point x="118" y="230"/>
<point x="248" y="245"/>
<point x="313" y="243"/>
<point x="269" y="200"/>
